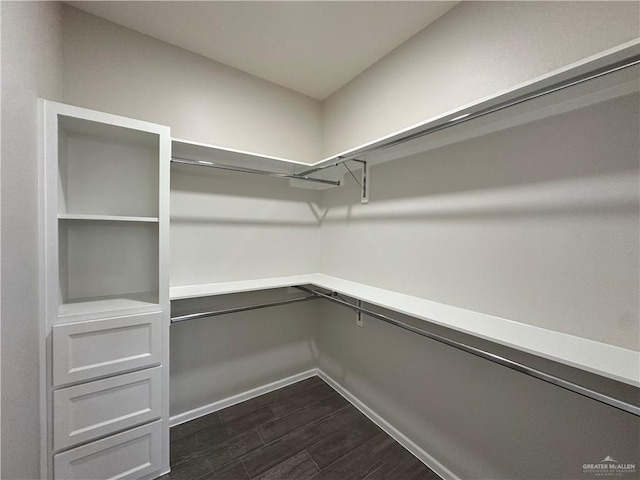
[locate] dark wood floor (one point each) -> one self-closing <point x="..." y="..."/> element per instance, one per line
<point x="302" y="431"/>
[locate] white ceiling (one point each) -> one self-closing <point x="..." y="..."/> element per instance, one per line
<point x="312" y="47"/>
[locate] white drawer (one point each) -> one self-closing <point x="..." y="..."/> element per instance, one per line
<point x="129" y="455"/>
<point x="96" y="348"/>
<point x="91" y="410"/>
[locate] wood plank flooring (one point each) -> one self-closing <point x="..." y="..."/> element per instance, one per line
<point x="303" y="431"/>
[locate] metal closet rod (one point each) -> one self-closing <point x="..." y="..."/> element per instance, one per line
<point x="540" y="375"/>
<point x="204" y="163"/>
<point x="213" y="313"/>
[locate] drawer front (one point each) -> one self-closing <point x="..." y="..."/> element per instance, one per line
<point x="86" y="350"/>
<point x="91" y="410"/>
<point x="129" y="455"/>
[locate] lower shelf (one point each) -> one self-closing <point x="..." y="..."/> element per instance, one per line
<point x="108" y="303"/>
<point x="603" y="359"/>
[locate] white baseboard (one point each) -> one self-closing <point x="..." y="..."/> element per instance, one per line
<point x="241" y="397"/>
<point x="398" y="436"/>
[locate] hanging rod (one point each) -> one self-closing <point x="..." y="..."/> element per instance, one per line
<point x="554" y="380"/>
<point x="204" y="163"/>
<point x="468" y="115"/>
<point x="213" y="313"/>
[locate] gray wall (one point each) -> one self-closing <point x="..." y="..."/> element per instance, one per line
<point x="31" y="67"/>
<point x="475" y="50"/>
<point x="479" y="419"/>
<point x="113" y="69"/>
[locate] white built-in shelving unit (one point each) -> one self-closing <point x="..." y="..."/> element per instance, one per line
<point x="105" y="319"/>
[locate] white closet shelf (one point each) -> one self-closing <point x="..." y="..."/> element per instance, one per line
<point x="223" y="288"/>
<point x="108" y="218"/>
<point x="597" y="357"/>
<point x="108" y="303"/>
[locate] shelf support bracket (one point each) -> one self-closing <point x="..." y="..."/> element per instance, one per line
<point x="364" y="185"/>
<point x="359" y="321"/>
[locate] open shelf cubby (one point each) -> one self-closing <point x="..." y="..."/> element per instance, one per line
<point x="106" y="170"/>
<point x="106" y="266"/>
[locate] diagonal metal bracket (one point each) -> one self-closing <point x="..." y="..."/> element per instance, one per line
<point x="364" y="184"/>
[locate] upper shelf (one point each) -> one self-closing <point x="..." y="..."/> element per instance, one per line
<point x="216" y="153"/>
<point x="602" y="77"/>
<point x="604" y="359"/>
<point x="595" y="79"/>
<point x="189" y="153"/>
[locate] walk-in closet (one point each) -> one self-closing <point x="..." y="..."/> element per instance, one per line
<point x="320" y="240"/>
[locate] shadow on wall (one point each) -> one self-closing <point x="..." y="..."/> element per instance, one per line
<point x="607" y="194"/>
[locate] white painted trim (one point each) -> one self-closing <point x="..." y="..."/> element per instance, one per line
<point x="239" y="398"/>
<point x="107" y="118"/>
<point x="164" y="294"/>
<point x="392" y="431"/>
<point x="45" y="424"/>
